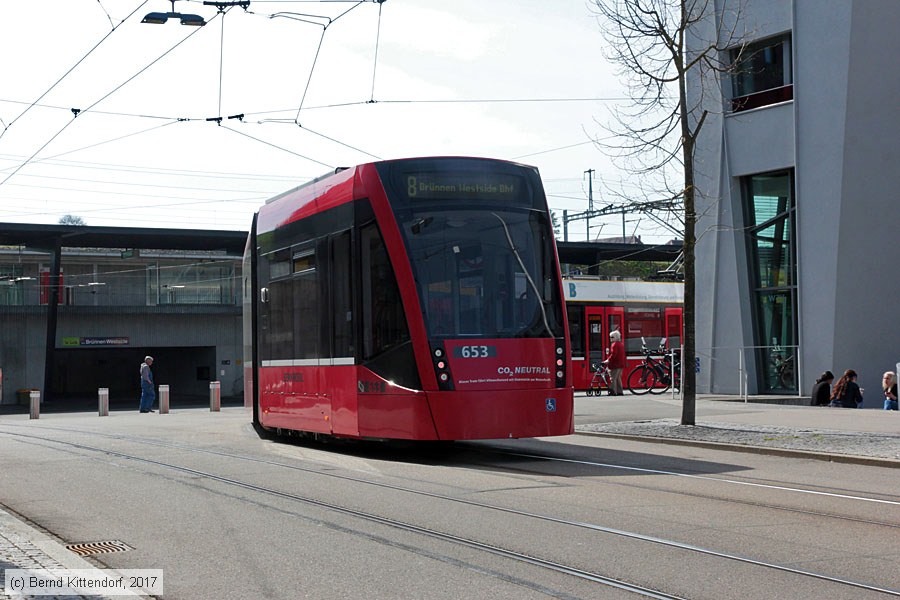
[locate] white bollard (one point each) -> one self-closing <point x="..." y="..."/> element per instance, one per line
<point x="163" y="399"/>
<point x="215" y="396"/>
<point x="35" y="396"/>
<point x="103" y="400"/>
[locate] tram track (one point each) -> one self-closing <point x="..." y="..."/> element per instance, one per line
<point x="770" y="486"/>
<point x="378" y="519"/>
<point x="716" y="498"/>
<point x="782" y="487"/>
<point x="585" y="575"/>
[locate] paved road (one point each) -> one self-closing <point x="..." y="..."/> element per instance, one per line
<point x="227" y="515"/>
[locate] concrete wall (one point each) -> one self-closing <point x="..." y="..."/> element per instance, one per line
<point x="866" y="317"/>
<point x="191" y="340"/>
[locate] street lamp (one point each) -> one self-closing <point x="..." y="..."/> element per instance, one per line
<point x="158" y="18"/>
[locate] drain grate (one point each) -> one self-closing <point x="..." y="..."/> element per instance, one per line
<point x="98" y="547"/>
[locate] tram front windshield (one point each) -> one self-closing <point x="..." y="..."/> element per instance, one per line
<point x="483" y="270"/>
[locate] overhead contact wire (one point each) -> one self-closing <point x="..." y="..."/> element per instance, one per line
<point x="221" y="62"/>
<point x="312" y="69"/>
<point x="110" y="93"/>
<point x="277" y="147"/>
<point x="377" y="42"/>
<point x="66" y="74"/>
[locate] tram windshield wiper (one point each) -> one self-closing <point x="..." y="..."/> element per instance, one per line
<point x="534" y="287"/>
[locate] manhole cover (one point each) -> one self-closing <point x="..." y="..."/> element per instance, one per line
<point x="98" y="547"/>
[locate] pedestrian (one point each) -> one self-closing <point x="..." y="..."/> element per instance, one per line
<point x="616" y="363"/>
<point x="846" y="392"/>
<point x="821" y="392"/>
<point x="148" y="395"/>
<point x="889" y="385"/>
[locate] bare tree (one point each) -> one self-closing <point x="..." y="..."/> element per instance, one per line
<point x="656" y="135"/>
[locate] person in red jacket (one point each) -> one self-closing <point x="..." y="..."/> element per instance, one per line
<point x="616" y="363"/>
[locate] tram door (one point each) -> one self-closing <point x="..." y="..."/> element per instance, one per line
<point x="597" y="338"/>
<point x="674" y="327"/>
<point x="615" y="319"/>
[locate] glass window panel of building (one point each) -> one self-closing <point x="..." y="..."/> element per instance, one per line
<point x="11" y="285"/>
<point x="762" y="73"/>
<point x="762" y="66"/>
<point x="196" y="283"/>
<point x="769" y="206"/>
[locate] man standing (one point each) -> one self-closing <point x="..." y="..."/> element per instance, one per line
<point x="148" y="395"/>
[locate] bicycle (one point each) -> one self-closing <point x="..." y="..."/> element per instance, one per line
<point x="784" y="370"/>
<point x="655" y="375"/>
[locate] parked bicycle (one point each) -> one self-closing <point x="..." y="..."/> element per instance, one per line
<point x="784" y="370"/>
<point x="657" y="373"/>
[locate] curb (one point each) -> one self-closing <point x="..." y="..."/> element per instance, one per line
<point x="42" y="542"/>
<point x="785" y="452"/>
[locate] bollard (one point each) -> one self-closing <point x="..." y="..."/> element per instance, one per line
<point x="215" y="396"/>
<point x="103" y="400"/>
<point x="35" y="396"/>
<point x="163" y="399"/>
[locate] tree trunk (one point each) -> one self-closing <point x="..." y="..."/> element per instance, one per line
<point x="688" y="359"/>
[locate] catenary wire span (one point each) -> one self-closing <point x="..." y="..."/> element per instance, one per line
<point x="377" y="42"/>
<point x="353" y="4"/>
<point x="96" y="144"/>
<point x="72" y="68"/>
<point x="113" y="25"/>
<point x="277" y="147"/>
<point x="107" y="95"/>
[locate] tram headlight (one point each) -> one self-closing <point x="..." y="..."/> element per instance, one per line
<point x="560" y="363"/>
<point x="441" y="367"/>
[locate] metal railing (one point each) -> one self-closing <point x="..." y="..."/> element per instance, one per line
<point x="778" y="363"/>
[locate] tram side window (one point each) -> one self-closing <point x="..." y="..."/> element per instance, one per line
<point x="576" y="330"/>
<point x="280" y="332"/>
<point x="306" y="303"/>
<point x="341" y="296"/>
<point x="673" y="330"/>
<point x="384" y="321"/>
<point x="643" y="322"/>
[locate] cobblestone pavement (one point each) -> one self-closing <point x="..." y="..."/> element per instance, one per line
<point x="22" y="547"/>
<point x="828" y="444"/>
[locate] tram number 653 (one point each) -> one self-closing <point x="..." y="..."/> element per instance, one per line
<point x="474" y="351"/>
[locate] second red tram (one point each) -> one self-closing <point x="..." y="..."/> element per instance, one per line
<point x="415" y="299"/>
<point x="643" y="311"/>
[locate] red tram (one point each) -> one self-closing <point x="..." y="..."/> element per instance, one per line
<point x="415" y="299"/>
<point x="641" y="310"/>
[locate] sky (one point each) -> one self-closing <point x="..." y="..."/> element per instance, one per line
<point x="318" y="84"/>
